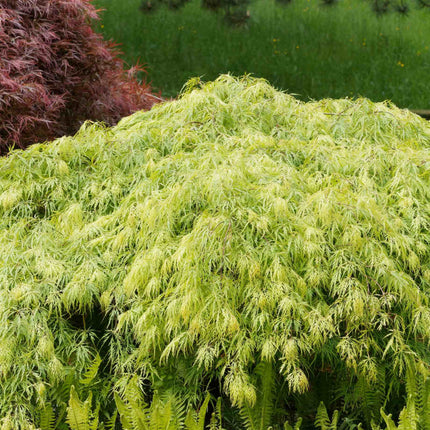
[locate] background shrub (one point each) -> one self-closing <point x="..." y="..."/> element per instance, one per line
<point x="56" y="72"/>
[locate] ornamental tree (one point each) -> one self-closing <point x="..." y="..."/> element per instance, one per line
<point x="56" y="72"/>
<point x="236" y="242"/>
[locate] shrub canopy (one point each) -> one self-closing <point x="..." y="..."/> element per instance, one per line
<point x="193" y="242"/>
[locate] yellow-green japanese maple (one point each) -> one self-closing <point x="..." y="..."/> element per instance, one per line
<point x="236" y="241"/>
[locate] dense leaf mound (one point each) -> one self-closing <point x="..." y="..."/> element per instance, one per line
<point x="232" y="237"/>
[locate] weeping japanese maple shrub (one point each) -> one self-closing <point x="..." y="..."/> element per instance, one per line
<point x="56" y="72"/>
<point x="238" y="241"/>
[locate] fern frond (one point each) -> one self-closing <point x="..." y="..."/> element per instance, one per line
<point x="334" y="420"/>
<point x="79" y="415"/>
<point x="421" y="400"/>
<point x="297" y="425"/>
<point x="196" y="420"/>
<point x="322" y="419"/>
<point x="91" y="372"/>
<point x="202" y="412"/>
<point x="47" y="418"/>
<point x="94" y="421"/>
<point x="266" y="397"/>
<point x="259" y="415"/>
<point x="388" y="421"/>
<point x="425" y="405"/>
<point x="216" y="418"/>
<point x="371" y="395"/>
<point x="407" y="418"/>
<point x="374" y="426"/>
<point x="111" y="422"/>
<point x="125" y="412"/>
<point x="162" y="415"/>
<point x="249" y="417"/>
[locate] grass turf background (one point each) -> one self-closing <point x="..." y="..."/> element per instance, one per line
<point x="308" y="49"/>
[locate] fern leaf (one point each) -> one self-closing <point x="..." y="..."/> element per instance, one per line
<point x="202" y="413"/>
<point x="124" y="412"/>
<point x="94" y="423"/>
<point x="266" y="400"/>
<point x="425" y="411"/>
<point x="247" y="413"/>
<point x="190" y="420"/>
<point x="196" y="421"/>
<point x="334" y="420"/>
<point x="322" y="419"/>
<point x="388" y="421"/>
<point x="161" y="416"/>
<point x="259" y="416"/>
<point x="404" y="423"/>
<point x="110" y="423"/>
<point x="373" y="426"/>
<point x="408" y="417"/>
<point x="216" y="418"/>
<point x="78" y="412"/>
<point x="288" y="426"/>
<point x="91" y="372"/>
<point x="47" y="418"/>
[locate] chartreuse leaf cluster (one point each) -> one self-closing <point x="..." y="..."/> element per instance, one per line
<point x="236" y="241"/>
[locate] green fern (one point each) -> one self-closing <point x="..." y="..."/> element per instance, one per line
<point x="91" y="372"/>
<point x="80" y="415"/>
<point x="111" y="422"/>
<point x="424" y="404"/>
<point x="411" y="417"/>
<point x="166" y="414"/>
<point x="259" y="415"/>
<point x="391" y="425"/>
<point x="297" y="425"/>
<point x="408" y="419"/>
<point x="162" y="416"/>
<point x="47" y="418"/>
<point x="133" y="411"/>
<point x="125" y="412"/>
<point x="371" y="396"/>
<point x="216" y="418"/>
<point x="196" y="420"/>
<point x="416" y="414"/>
<point x="322" y="419"/>
<point x="418" y="405"/>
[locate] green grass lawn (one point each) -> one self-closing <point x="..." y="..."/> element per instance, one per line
<point x="310" y="50"/>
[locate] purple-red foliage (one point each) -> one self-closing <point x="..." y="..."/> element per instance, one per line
<point x="56" y="72"/>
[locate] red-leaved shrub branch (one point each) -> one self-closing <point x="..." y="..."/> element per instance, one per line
<point x="56" y="72"/>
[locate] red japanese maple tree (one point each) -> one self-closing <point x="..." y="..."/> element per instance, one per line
<point x="56" y="72"/>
